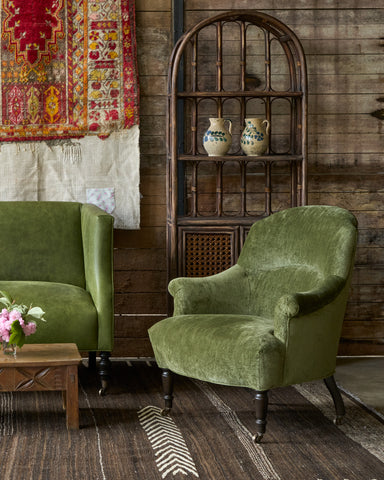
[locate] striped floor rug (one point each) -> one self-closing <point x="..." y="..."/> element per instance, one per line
<point x="208" y="435"/>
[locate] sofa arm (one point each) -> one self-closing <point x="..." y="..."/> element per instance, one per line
<point x="225" y="292"/>
<point x="304" y="303"/>
<point x="97" y="233"/>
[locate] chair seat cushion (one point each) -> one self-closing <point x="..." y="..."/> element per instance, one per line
<point x="69" y="310"/>
<point x="237" y="350"/>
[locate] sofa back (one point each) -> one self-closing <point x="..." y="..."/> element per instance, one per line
<point x="41" y="241"/>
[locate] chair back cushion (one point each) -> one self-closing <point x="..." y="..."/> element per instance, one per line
<point x="41" y="241"/>
<point x="294" y="250"/>
<point x="319" y="237"/>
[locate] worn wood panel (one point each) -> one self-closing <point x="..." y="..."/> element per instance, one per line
<point x="345" y="84"/>
<point x="139" y="256"/>
<point x="338" y="83"/>
<point x="140" y="281"/>
<point x="358" y="162"/>
<point x="152" y="85"/>
<point x="153" y="105"/>
<point x="276" y="4"/>
<point x="324" y="64"/>
<point x="321" y="128"/>
<point x="314" y="46"/>
<point x="150" y="21"/>
<point x="137" y="326"/>
<point x="140" y="259"/>
<point x="132" y="347"/>
<point x="344" y="56"/>
<point x="317" y="18"/>
<point x="360" y="347"/>
<point x="369" y="255"/>
<point x="318" y="104"/>
<point x="367" y="310"/>
<point x="318" y="183"/>
<point x="344" y="48"/>
<point x="365" y="293"/>
<point x="366" y="330"/>
<point x="368" y="274"/>
<point x="146" y="303"/>
<point x="151" y="6"/>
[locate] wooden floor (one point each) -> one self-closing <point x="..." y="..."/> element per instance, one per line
<point x="364" y="377"/>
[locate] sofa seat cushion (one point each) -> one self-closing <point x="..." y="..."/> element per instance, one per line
<point x="69" y="310"/>
<point x="237" y="350"/>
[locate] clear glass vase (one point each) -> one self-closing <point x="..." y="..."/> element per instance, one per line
<point x="9" y="349"/>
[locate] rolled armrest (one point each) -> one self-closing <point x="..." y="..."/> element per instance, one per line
<point x="224" y="292"/>
<point x="97" y="232"/>
<point x="303" y="303"/>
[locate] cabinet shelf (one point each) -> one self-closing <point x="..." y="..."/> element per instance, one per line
<point x="213" y="200"/>
<point x="241" y="158"/>
<point x="240" y="93"/>
<point x="224" y="220"/>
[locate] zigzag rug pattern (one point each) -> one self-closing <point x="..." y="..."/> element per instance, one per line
<point x="172" y="454"/>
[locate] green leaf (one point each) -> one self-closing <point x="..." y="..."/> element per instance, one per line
<point x="36" y="313"/>
<point x="6" y="299"/>
<point x="17" y="336"/>
<point x="23" y="309"/>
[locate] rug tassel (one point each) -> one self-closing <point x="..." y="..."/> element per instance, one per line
<point x="72" y="153"/>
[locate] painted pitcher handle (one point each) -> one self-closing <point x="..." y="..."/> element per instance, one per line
<point x="230" y="125"/>
<point x="268" y="126"/>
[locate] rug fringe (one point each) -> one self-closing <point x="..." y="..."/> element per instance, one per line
<point x="71" y="152"/>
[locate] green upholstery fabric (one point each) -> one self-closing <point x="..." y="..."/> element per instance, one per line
<point x="275" y="317"/>
<point x="38" y="238"/>
<point x="58" y="255"/>
<point x="65" y="305"/>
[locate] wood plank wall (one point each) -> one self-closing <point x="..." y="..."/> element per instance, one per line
<point x="140" y="257"/>
<point x="345" y="54"/>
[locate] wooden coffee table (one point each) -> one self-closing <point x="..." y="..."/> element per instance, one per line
<point x="44" y="367"/>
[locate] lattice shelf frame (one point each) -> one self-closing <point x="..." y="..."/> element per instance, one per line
<point x="212" y="201"/>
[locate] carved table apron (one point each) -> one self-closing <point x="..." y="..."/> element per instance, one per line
<point x="45" y="367"/>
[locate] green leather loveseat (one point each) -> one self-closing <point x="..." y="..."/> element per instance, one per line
<point x="58" y="255"/>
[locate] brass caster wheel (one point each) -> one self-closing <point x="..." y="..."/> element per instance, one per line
<point x="338" y="420"/>
<point x="104" y="387"/>
<point x="257" y="437"/>
<point x="165" y="412"/>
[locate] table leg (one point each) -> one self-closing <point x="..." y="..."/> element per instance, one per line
<point x="72" y="398"/>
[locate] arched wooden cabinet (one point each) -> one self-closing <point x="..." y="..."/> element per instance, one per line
<point x="236" y="65"/>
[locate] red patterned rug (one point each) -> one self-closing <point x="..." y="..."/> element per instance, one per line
<point x="68" y="68"/>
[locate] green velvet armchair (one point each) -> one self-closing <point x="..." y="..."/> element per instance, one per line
<point x="273" y="319"/>
<point x="58" y="255"/>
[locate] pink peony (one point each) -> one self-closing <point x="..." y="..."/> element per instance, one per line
<point x="29" y="328"/>
<point x="16" y="315"/>
<point x="5" y="336"/>
<point x="13" y="316"/>
<point x="5" y="326"/>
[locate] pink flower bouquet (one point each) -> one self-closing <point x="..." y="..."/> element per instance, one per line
<point x="17" y="321"/>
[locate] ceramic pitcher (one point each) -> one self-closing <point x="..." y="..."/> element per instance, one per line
<point x="255" y="137"/>
<point x="218" y="138"/>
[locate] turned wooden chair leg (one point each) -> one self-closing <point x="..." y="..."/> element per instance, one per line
<point x="261" y="403"/>
<point x="337" y="399"/>
<point x="92" y="360"/>
<point x="167" y="379"/>
<point x="105" y="367"/>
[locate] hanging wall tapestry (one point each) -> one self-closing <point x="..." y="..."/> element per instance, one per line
<point x="69" y="94"/>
